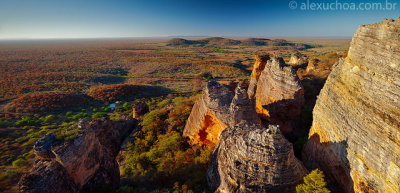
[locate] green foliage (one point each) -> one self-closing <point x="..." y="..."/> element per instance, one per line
<point x="68" y="135"/>
<point x="106" y="109"/>
<point x="19" y="163"/>
<point x="48" y="119"/>
<point x="5" y="123"/>
<point x="31" y="121"/>
<point x="126" y="189"/>
<point x="126" y="106"/>
<point x="314" y="182"/>
<point x="159" y="156"/>
<point x="164" y="103"/>
<point x="79" y="116"/>
<point x="99" y="115"/>
<point x="208" y="76"/>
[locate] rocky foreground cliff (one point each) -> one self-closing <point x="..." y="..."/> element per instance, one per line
<point x="355" y="135"/>
<point x="84" y="164"/>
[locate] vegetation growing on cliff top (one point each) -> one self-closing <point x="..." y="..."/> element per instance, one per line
<point x="159" y="158"/>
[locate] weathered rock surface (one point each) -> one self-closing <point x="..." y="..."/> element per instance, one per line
<point x="355" y="135"/>
<point x="259" y="65"/>
<point x="298" y="59"/>
<point x="42" y="148"/>
<point x="251" y="158"/>
<point x="47" y="177"/>
<point x="84" y="164"/>
<point x="312" y="65"/>
<point x="279" y="94"/>
<point x="139" y="109"/>
<point x="218" y="108"/>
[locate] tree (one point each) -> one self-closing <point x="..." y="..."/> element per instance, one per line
<point x="314" y="182"/>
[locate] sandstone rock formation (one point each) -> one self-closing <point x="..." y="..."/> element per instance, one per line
<point x="83" y="164"/>
<point x="279" y="94"/>
<point x="259" y="65"/>
<point x="217" y="109"/>
<point x="298" y="59"/>
<point x="312" y="65"/>
<point x="274" y="93"/>
<point x="355" y="135"/>
<point x="140" y="109"/>
<point x="251" y="158"/>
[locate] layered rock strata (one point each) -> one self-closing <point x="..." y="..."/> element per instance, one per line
<point x="258" y="67"/>
<point x="83" y="164"/>
<point x="251" y="158"/>
<point x="355" y="135"/>
<point x="218" y="108"/>
<point x="279" y="94"/>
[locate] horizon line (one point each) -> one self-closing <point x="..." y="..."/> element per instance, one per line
<point x="173" y="36"/>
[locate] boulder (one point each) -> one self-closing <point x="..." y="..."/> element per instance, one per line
<point x="218" y="108"/>
<point x="47" y="177"/>
<point x="251" y="158"/>
<point x="298" y="59"/>
<point x="88" y="161"/>
<point x="42" y="148"/>
<point x="312" y="65"/>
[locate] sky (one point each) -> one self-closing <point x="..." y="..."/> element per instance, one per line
<point x="44" y="19"/>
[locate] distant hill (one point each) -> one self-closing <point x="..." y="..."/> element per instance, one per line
<point x="220" y="42"/>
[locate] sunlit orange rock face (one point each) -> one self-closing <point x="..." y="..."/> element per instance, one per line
<point x="274" y="93"/>
<point x="218" y="108"/>
<point x="259" y="65"/>
<point x="279" y="94"/>
<point x="355" y="135"/>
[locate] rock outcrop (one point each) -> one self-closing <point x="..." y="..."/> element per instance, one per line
<point x="83" y="164"/>
<point x="355" y="135"/>
<point x="259" y="65"/>
<point x="218" y="108"/>
<point x="279" y="94"/>
<point x="139" y="109"/>
<point x="298" y="59"/>
<point x="312" y="65"/>
<point x="274" y="93"/>
<point x="251" y="158"/>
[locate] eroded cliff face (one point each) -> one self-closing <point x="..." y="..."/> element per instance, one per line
<point x="355" y="135"/>
<point x="259" y="65"/>
<point x="82" y="165"/>
<point x="252" y="158"/>
<point x="279" y="94"/>
<point x="218" y="108"/>
<point x="274" y="94"/>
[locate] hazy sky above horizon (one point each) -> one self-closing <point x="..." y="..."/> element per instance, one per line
<point x="20" y="19"/>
